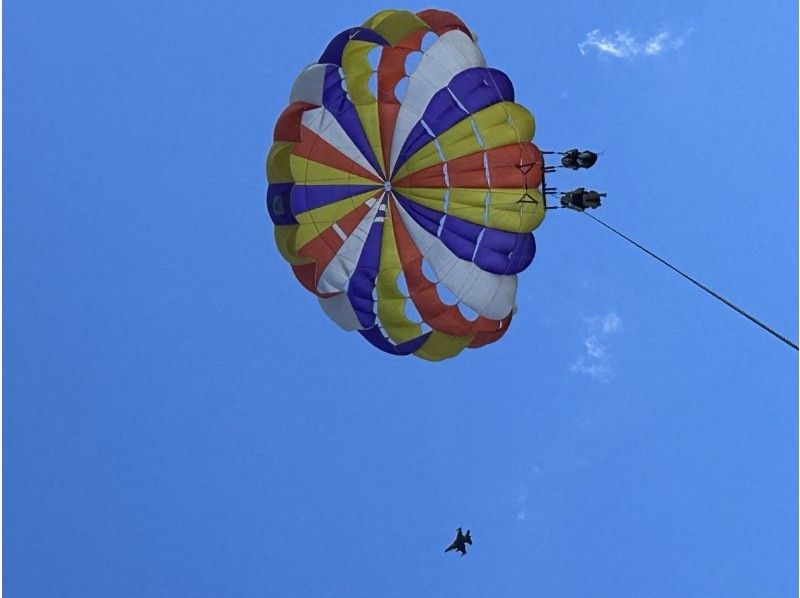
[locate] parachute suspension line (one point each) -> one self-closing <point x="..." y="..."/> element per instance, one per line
<point x="699" y="284"/>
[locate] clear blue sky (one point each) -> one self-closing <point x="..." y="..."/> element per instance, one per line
<point x="181" y="419"/>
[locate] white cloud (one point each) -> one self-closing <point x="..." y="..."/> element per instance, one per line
<point x="595" y="361"/>
<point x="610" y="322"/>
<point x="594" y="348"/>
<point x="522" y="508"/>
<point x="624" y="45"/>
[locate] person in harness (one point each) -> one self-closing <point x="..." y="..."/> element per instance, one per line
<point x="586" y="159"/>
<point x="580" y="199"/>
<point x="575" y="159"/>
<point x="569" y="159"/>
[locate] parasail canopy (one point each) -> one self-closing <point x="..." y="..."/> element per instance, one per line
<point x="404" y="186"/>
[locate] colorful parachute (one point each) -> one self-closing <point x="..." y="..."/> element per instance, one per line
<point x="404" y="186"/>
